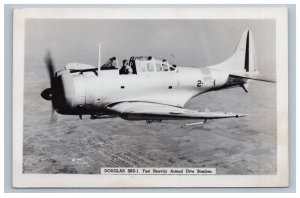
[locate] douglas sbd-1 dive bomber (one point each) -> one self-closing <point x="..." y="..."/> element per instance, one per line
<point x="153" y="90"/>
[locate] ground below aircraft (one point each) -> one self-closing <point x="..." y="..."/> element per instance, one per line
<point x="155" y="90"/>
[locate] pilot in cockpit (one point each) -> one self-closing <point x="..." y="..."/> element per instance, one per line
<point x="164" y="65"/>
<point x="125" y="69"/>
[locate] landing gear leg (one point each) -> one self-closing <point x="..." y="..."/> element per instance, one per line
<point x="242" y="85"/>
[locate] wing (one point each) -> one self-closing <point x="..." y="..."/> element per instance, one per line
<point x="154" y="111"/>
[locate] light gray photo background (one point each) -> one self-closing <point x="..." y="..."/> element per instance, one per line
<point x="244" y="146"/>
<point x="194" y="103"/>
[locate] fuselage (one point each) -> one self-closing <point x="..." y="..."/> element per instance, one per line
<point x="90" y="93"/>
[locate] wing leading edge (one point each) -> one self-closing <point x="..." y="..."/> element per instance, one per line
<point x="154" y="111"/>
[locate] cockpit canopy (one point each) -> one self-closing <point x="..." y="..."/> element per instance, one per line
<point x="140" y="65"/>
<point x="136" y="65"/>
<point x="150" y="64"/>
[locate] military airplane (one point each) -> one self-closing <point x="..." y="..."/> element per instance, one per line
<point x="155" y="89"/>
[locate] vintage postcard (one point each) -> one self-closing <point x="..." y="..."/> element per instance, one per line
<point x="150" y="97"/>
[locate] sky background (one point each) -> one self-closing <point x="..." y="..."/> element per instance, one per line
<point x="184" y="42"/>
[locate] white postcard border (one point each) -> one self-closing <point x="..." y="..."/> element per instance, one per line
<point x="110" y="181"/>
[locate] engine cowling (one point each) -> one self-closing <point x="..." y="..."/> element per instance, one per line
<point x="69" y="97"/>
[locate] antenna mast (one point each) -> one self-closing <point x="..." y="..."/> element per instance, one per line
<point x="99" y="58"/>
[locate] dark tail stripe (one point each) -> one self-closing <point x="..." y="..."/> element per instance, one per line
<point x="247" y="54"/>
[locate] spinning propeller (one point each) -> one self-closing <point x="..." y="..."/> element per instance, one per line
<point x="49" y="93"/>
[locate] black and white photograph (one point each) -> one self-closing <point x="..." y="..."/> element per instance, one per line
<point x="168" y="95"/>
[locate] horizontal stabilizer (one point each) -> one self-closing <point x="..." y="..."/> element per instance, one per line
<point x="257" y="77"/>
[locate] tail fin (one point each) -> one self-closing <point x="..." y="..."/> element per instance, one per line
<point x="244" y="57"/>
<point x="243" y="63"/>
